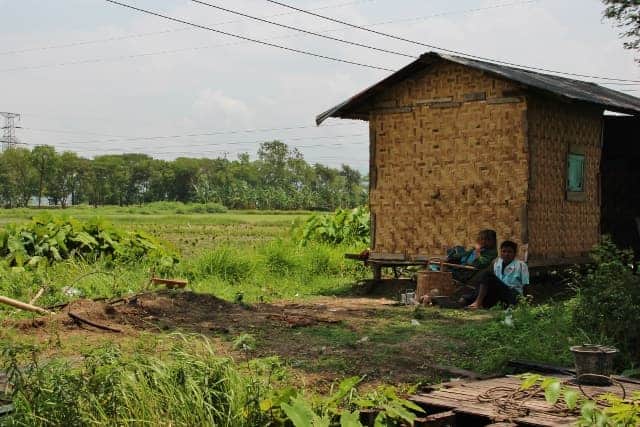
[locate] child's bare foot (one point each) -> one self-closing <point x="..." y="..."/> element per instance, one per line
<point x="474" y="306"/>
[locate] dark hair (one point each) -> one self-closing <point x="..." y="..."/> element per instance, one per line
<point x="509" y="244"/>
<point x="489" y="236"/>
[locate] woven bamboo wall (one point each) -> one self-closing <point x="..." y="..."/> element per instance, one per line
<point x="449" y="157"/>
<point x="559" y="228"/>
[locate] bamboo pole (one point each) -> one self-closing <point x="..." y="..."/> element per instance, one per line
<point x="36" y="296"/>
<point x="22" y="305"/>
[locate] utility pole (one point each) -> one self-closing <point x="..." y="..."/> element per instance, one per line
<point x="9" y="139"/>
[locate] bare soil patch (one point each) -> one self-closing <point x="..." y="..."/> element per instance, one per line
<point x="324" y="338"/>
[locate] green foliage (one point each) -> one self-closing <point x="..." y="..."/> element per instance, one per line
<point x="48" y="239"/>
<point x="190" y="385"/>
<point x="351" y="226"/>
<point x="392" y="407"/>
<point x="617" y="412"/>
<point x="541" y="333"/>
<point x="608" y="300"/>
<point x="111" y="388"/>
<point x="279" y="179"/>
<point x="627" y="15"/>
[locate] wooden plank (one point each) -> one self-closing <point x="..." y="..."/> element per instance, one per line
<point x="434" y="100"/>
<point x="463" y="398"/>
<point x="505" y="100"/>
<point x="474" y="96"/>
<point x="375" y="256"/>
<point x="170" y="283"/>
<point x="452" y="104"/>
<point x="441" y="419"/>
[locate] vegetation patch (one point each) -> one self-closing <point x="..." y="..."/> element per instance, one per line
<point x="48" y="239"/>
<point x="350" y="226"/>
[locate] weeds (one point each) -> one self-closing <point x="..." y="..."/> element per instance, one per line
<point x="191" y="385"/>
<point x="542" y="333"/>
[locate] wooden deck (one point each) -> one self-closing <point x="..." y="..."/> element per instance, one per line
<point x="467" y="403"/>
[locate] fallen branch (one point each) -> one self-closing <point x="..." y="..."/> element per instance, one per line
<point x="23" y="305"/>
<point x="36" y="296"/>
<point x="81" y="319"/>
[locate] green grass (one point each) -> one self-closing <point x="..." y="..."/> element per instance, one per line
<point x="540" y="334"/>
<point x="188" y="385"/>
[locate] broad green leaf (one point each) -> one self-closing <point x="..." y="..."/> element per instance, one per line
<point x="56" y="254"/>
<point x="350" y="419"/>
<point x="397" y="411"/>
<point x="266" y="404"/>
<point x="588" y="410"/>
<point x="381" y="420"/>
<point x="529" y="380"/>
<point x="571" y="398"/>
<point x="344" y="388"/>
<point x="299" y="412"/>
<point x="409" y="404"/>
<point x="85" y="239"/>
<point x="552" y="392"/>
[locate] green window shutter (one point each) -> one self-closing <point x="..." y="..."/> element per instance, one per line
<point x="575" y="173"/>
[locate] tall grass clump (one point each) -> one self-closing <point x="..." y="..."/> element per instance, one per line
<point x="110" y="388"/>
<point x="224" y="262"/>
<point x="189" y="386"/>
<point x="280" y="258"/>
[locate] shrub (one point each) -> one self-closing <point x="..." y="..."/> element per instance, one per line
<point x="608" y="299"/>
<point x="350" y="226"/>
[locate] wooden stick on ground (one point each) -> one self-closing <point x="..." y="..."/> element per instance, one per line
<point x="22" y="305"/>
<point x="81" y="319"/>
<point x="170" y="283"/>
<point x="36" y="296"/>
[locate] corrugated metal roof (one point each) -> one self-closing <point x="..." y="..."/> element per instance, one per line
<point x="575" y="90"/>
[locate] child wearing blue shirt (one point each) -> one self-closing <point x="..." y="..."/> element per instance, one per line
<point x="504" y="282"/>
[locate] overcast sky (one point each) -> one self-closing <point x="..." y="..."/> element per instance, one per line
<point x="96" y="78"/>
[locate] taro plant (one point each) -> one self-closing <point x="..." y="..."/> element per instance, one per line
<point x="48" y="239"/>
<point x="349" y="226"/>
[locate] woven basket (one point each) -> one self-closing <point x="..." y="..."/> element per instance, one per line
<point x="435" y="283"/>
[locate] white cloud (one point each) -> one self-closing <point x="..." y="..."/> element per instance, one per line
<point x="214" y="106"/>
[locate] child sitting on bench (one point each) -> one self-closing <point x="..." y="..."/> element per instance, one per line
<point x="505" y="282"/>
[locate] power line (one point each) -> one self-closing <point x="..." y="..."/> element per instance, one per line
<point x="264" y="43"/>
<point x="188" y="135"/>
<point x="430" y="46"/>
<point x="154" y="33"/>
<point x="289" y="27"/>
<point x="235" y="143"/>
<point x="195" y="48"/>
<point x="453" y="12"/>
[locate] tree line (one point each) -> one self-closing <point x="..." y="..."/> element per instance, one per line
<point x="279" y="178"/>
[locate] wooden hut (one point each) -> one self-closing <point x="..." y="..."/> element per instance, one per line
<point x="458" y="145"/>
